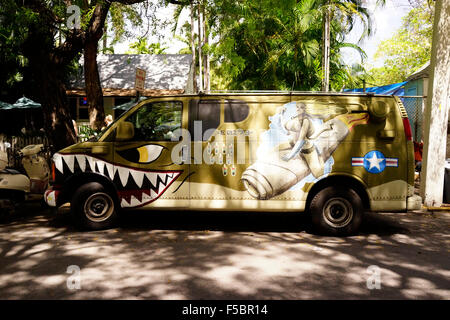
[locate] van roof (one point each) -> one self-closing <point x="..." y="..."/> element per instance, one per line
<point x="274" y="92"/>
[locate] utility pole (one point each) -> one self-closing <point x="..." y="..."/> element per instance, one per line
<point x="436" y="109"/>
<point x="326" y="48"/>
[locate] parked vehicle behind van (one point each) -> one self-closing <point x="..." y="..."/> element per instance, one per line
<point x="332" y="155"/>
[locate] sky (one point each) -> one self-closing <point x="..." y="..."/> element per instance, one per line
<point x="174" y="45"/>
<point x="387" y="20"/>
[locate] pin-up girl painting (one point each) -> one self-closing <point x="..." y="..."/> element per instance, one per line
<point x="305" y="136"/>
<point x="302" y="132"/>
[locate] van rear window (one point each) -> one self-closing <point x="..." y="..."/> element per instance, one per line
<point x="206" y="111"/>
<point x="236" y="110"/>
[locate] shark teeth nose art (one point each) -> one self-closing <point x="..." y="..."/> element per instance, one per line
<point x="159" y="182"/>
<point x="143" y="187"/>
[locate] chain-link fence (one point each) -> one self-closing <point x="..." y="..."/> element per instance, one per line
<point x="414" y="106"/>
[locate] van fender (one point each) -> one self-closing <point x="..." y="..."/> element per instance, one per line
<point x="72" y="183"/>
<point x="340" y="179"/>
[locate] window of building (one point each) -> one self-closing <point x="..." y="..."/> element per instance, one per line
<point x="73" y="107"/>
<point x="119" y="101"/>
<point x="83" y="113"/>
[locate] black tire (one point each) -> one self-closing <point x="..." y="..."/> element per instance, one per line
<point x="94" y="207"/>
<point x="336" y="211"/>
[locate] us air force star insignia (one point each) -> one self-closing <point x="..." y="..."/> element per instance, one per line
<point x="374" y="162"/>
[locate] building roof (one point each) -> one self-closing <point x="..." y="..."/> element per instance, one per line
<point x="395" y="89"/>
<point x="164" y="73"/>
<point x="423" y="72"/>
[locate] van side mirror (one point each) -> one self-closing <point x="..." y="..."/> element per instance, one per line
<point x="125" y="131"/>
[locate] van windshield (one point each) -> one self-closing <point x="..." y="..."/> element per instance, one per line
<point x="102" y="133"/>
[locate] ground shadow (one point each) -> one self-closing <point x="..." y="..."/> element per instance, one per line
<point x="223" y="255"/>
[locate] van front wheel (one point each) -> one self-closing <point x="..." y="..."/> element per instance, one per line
<point x="93" y="207"/>
<point x="336" y="211"/>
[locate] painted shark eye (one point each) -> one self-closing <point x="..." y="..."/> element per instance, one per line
<point x="149" y="153"/>
<point x="144" y="154"/>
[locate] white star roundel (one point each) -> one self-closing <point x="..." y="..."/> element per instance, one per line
<point x="374" y="162"/>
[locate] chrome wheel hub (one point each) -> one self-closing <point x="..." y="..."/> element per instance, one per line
<point x="99" y="207"/>
<point x="338" y="212"/>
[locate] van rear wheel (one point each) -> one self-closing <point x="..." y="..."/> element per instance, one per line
<point x="336" y="211"/>
<point x="93" y="207"/>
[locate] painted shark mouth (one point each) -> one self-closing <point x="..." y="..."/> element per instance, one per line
<point x="142" y="188"/>
<point x="159" y="182"/>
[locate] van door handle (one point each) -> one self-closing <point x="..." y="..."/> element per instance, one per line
<point x="100" y="150"/>
<point x="386" y="134"/>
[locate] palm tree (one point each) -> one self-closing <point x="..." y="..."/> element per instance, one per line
<point x="295" y="40"/>
<point x="198" y="10"/>
<point x="347" y="12"/>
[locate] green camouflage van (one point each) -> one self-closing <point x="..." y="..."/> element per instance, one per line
<point x="331" y="155"/>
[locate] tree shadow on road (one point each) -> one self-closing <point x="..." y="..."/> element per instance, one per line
<point x="224" y="255"/>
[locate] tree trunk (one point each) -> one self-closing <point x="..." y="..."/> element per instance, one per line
<point x="52" y="92"/>
<point x="206" y="55"/>
<point x="91" y="77"/>
<point x="200" y="55"/>
<point x="57" y="118"/>
<point x="49" y="68"/>
<point x="437" y="109"/>
<point x="194" y="61"/>
<point x="105" y="38"/>
<point x="326" y="49"/>
<point x="94" y="92"/>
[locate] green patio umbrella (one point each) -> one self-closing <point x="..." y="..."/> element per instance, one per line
<point x="5" y="106"/>
<point x="128" y="105"/>
<point x="25" y="103"/>
<point x="25" y="107"/>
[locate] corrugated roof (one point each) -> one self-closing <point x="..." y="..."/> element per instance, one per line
<point x="118" y="71"/>
<point x="389" y="89"/>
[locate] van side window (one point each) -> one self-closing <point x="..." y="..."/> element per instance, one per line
<point x="156" y="121"/>
<point x="206" y="111"/>
<point x="236" y="110"/>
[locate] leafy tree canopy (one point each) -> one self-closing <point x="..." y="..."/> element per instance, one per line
<point x="408" y="49"/>
<point x="41" y="40"/>
<point x="257" y="45"/>
<point x="143" y="47"/>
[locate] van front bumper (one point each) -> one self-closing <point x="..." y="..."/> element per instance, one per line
<point x="51" y="197"/>
<point x="414" y="203"/>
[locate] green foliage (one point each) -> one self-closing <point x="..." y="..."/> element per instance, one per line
<point x="119" y="15"/>
<point x="86" y="132"/>
<point x="142" y="47"/>
<point x="408" y="49"/>
<point x="13" y="32"/>
<point x="157" y="121"/>
<point x="262" y="46"/>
